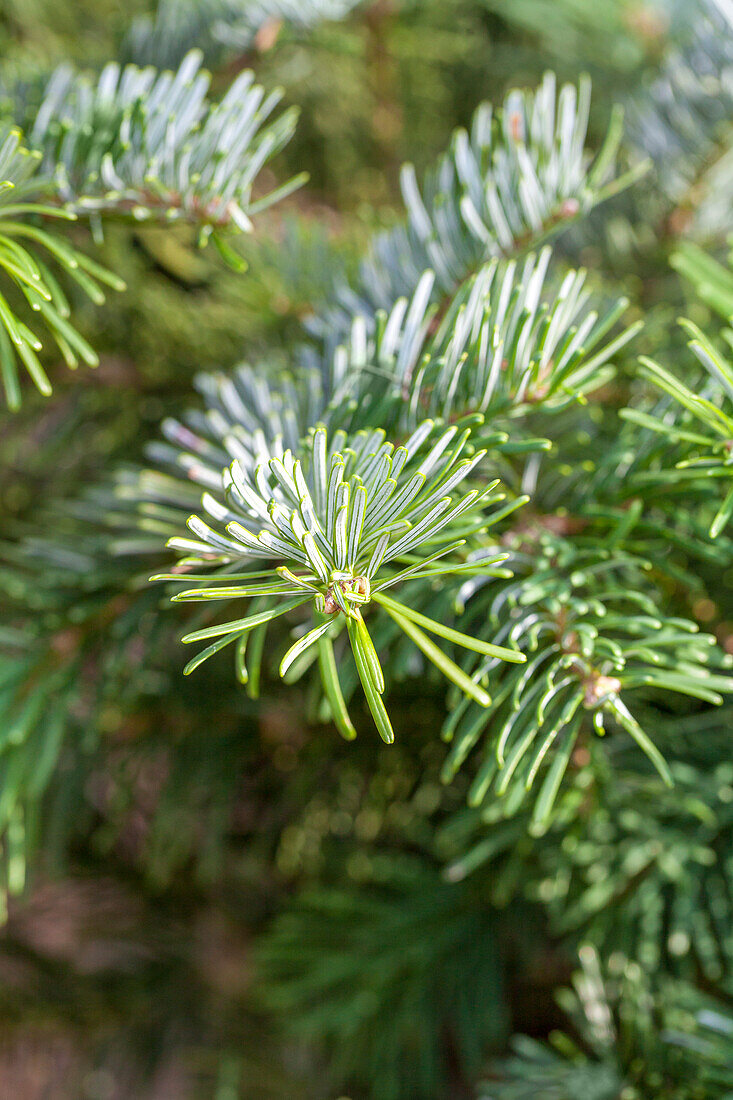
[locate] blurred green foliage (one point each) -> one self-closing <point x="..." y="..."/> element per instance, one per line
<point x="201" y="856"/>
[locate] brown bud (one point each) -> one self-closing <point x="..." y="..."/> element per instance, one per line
<point x="599" y="686"/>
<point x="330" y="607"/>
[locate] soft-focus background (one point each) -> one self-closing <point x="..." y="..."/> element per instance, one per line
<point x="140" y="964"/>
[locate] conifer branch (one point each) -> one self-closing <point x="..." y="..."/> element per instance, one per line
<point x="222" y="27"/>
<point x="631" y="1035"/>
<point x="326" y="531"/>
<point x="518" y="177"/>
<point x="590" y="626"/>
<point x="26" y="250"/>
<point x="149" y="145"/>
<point x="705" y="430"/>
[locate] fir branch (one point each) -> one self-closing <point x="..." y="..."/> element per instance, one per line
<point x="590" y="626"/>
<point x="713" y="282"/>
<point x="149" y="145"/>
<point x="505" y="346"/>
<point x="138" y="144"/>
<point x="333" y="524"/>
<point x="615" y="1012"/>
<point x="666" y="859"/>
<point x="681" y="120"/>
<point x="519" y="176"/>
<point x="36" y="689"/>
<point x="222" y="27"/>
<point x="428" y="949"/>
<point x="706" y="431"/>
<point x="26" y="249"/>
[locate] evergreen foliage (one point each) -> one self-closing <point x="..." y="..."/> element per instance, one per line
<point x="22" y="247"/>
<point x="145" y="143"/>
<point x="470" y="485"/>
<point x="221" y="27"/>
<point x="515" y="178"/>
<point x="138" y="144"/>
<point x="667" y="1043"/>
